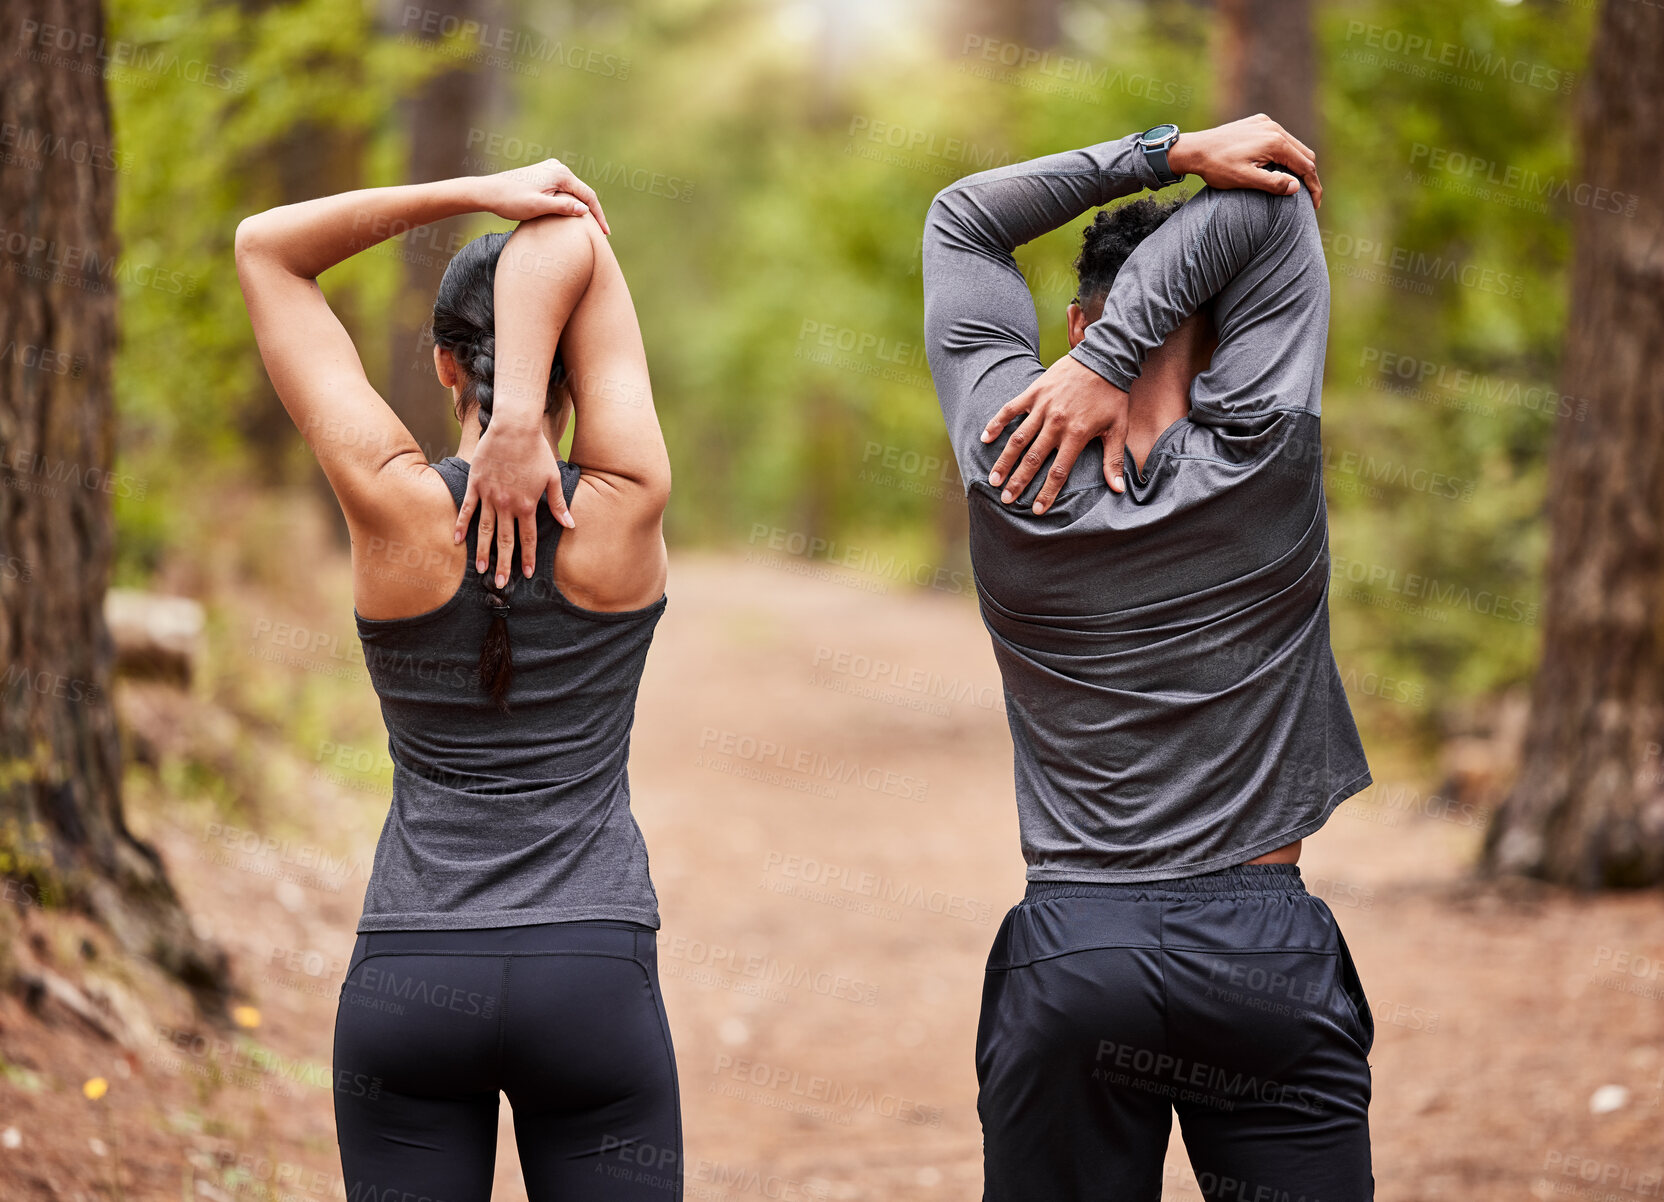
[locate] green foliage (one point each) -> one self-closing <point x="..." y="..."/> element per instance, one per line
<point x="1442" y="388"/>
<point x="766" y="177"/>
<point x="205" y="97"/>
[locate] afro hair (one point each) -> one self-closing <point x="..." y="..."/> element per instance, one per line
<point x="1110" y="240"/>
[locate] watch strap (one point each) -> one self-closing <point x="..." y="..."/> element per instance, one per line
<point x="1156" y="156"/>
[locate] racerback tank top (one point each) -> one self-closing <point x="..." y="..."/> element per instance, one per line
<point x="504" y="820"/>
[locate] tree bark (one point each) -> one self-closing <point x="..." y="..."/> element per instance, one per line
<point x="1268" y="64"/>
<point x="62" y="834"/>
<point x="1588" y="807"/>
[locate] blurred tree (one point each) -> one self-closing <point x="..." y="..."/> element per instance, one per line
<point x="298" y="102"/>
<point x="767" y="213"/>
<point x="312" y="157"/>
<point x="1588" y="808"/>
<point x="1446" y="318"/>
<point x="61" y="825"/>
<point x="437" y="121"/>
<point x="1268" y="64"/>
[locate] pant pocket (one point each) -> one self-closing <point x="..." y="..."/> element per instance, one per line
<point x="996" y="979"/>
<point x="1352" y="989"/>
<point x="1001" y="953"/>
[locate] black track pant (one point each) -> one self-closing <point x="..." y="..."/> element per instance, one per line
<point x="1230" y="998"/>
<point x="565" y="1018"/>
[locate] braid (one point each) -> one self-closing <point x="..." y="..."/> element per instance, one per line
<point x="496" y="670"/>
<point x="463" y="323"/>
<point x="482" y="371"/>
<point x="481" y="377"/>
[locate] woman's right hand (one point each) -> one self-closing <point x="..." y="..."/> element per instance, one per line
<point x="540" y="190"/>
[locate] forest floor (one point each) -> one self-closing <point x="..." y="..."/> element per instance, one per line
<point x="824" y="1035"/>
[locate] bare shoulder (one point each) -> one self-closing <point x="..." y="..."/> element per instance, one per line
<point x="616" y="559"/>
<point x="404" y="560"/>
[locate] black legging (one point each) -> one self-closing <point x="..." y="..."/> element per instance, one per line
<point x="564" y="1018"/>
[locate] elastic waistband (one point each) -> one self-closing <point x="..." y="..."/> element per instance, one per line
<point x="605" y="937"/>
<point x="1245" y="878"/>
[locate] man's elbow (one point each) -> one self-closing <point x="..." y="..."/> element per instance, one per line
<point x="943" y="213"/>
<point x="942" y="224"/>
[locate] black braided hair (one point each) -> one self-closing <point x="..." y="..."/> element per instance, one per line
<point x="496" y="671"/>
<point x="464" y="324"/>
<point x="478" y="361"/>
<point x="1110" y="240"/>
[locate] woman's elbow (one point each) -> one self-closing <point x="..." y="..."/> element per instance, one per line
<point x="249" y="239"/>
<point x="554" y="244"/>
<point x="655" y="487"/>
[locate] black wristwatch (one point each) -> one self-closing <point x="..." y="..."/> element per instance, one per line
<point x="1156" y="142"/>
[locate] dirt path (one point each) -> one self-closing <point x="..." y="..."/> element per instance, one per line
<point x="822" y="771"/>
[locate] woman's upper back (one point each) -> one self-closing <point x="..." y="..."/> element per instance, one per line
<point x="516" y="815"/>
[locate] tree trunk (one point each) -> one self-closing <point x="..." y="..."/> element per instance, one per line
<point x="437" y="120"/>
<point x="1268" y="64"/>
<point x="1588" y="807"/>
<point x="62" y="834"/>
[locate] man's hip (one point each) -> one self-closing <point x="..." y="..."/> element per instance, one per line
<point x="1230" y="998"/>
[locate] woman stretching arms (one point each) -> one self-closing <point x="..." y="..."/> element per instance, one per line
<point x="507" y="937"/>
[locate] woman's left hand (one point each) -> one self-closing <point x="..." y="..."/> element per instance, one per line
<point x="513" y="468"/>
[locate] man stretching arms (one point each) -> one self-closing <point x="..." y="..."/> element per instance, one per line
<point x="1162" y="630"/>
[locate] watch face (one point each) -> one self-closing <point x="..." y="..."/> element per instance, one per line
<point x="1158" y="135"/>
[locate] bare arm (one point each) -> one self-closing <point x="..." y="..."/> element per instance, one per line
<point x="353" y="432"/>
<point x="357" y="438"/>
<point x="558" y="283"/>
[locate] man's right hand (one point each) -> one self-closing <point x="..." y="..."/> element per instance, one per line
<point x="1067" y="408"/>
<point x="1071" y="404"/>
<point x="1235" y="156"/>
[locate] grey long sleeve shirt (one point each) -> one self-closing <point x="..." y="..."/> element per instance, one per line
<point x="1173" y="700"/>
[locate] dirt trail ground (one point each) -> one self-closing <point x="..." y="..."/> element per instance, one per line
<point x="823" y="944"/>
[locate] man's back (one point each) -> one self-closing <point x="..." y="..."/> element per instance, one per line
<point x="1173" y="701"/>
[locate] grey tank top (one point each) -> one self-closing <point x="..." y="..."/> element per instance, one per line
<point x="504" y="820"/>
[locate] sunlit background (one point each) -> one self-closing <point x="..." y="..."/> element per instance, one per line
<point x="766" y="166"/>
